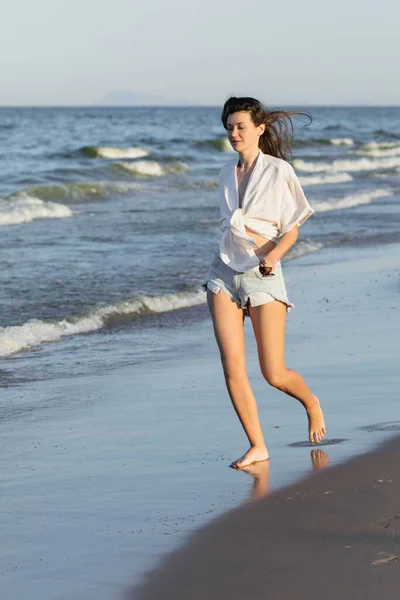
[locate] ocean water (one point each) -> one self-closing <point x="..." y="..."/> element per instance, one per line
<point x="109" y="218"/>
<point x="108" y="221"/>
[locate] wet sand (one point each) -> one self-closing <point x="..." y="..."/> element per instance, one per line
<point x="103" y="475"/>
<point x="334" y="535"/>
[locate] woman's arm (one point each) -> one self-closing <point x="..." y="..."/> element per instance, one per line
<point x="281" y="248"/>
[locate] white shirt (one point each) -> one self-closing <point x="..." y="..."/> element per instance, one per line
<point x="272" y="205"/>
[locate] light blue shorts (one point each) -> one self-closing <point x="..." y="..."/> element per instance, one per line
<point x="246" y="288"/>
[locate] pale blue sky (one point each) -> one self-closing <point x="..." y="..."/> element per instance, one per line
<point x="56" y="52"/>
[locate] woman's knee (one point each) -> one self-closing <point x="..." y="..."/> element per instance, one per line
<point x="276" y="379"/>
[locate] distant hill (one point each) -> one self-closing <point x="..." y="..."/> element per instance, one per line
<point x="130" y="98"/>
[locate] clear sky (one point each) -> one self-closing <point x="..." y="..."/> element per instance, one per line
<point x="77" y="52"/>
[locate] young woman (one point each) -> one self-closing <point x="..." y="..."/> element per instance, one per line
<point x="261" y="206"/>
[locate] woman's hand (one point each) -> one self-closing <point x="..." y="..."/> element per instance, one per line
<point x="267" y="265"/>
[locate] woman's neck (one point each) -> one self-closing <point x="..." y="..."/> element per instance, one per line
<point x="248" y="158"/>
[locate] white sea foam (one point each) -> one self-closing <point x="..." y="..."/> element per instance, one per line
<point x="33" y="333"/>
<point x="115" y="152"/>
<point x="380" y="145"/>
<point x="151" y="168"/>
<point x="342" y="141"/>
<point x="77" y="192"/>
<point x="221" y="144"/>
<point x="325" y="178"/>
<point x="362" y="164"/>
<point x="25" y="208"/>
<point x="351" y="201"/>
<point x="226" y="146"/>
<point x="379" y="150"/>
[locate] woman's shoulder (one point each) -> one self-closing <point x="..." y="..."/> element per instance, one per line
<point x="282" y="166"/>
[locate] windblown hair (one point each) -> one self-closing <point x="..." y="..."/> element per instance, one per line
<point x="277" y="137"/>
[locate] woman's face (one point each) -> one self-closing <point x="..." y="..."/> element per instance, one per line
<point x="242" y="133"/>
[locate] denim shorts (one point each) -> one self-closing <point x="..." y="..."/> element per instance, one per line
<point x="246" y="288"/>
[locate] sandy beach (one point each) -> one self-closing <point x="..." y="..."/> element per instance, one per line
<point x="104" y="475"/>
<point x="336" y="535"/>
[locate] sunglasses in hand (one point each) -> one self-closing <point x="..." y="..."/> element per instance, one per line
<point x="265" y="271"/>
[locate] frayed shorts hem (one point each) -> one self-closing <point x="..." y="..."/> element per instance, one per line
<point x="254" y="298"/>
<point x="248" y="288"/>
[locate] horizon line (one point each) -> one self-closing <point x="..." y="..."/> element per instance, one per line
<point x="192" y="105"/>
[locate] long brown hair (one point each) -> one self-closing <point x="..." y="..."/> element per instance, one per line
<point x="277" y="137"/>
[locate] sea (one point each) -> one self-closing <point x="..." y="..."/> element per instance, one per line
<point x="109" y="219"/>
<point x="116" y="427"/>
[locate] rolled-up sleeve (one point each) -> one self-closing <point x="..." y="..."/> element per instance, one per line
<point x="295" y="209"/>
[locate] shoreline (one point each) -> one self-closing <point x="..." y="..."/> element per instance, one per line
<point x="64" y="348"/>
<point x="106" y="474"/>
<point x="336" y="533"/>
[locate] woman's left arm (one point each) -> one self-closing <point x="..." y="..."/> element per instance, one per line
<point x="281" y="248"/>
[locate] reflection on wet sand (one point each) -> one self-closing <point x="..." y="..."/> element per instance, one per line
<point x="319" y="459"/>
<point x="260" y="472"/>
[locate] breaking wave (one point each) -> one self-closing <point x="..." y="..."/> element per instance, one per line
<point x="351" y="200"/>
<point x="362" y="164"/>
<point x="378" y="149"/>
<point x="325" y="178"/>
<point x="221" y="144"/>
<point x="151" y="168"/>
<point x="76" y="192"/>
<point x="33" y="333"/>
<point x="333" y="141"/>
<point x="342" y="141"/>
<point x="113" y="152"/>
<point x="24" y="209"/>
<point x="387" y="134"/>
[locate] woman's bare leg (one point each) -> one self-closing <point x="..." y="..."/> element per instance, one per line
<point x="269" y="322"/>
<point x="228" y="322"/>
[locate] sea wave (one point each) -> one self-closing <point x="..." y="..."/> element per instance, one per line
<point x="76" y="192"/>
<point x="151" y="168"/>
<point x="387" y="134"/>
<point x="221" y="144"/>
<point x="362" y="164"/>
<point x="33" y="333"/>
<point x="333" y="141"/>
<point x="325" y="178"/>
<point x="351" y="200"/>
<point x="380" y="149"/>
<point x="298" y="143"/>
<point x="332" y="127"/>
<point x="6" y="126"/>
<point x="342" y="141"/>
<point x="113" y="152"/>
<point x="206" y="184"/>
<point x="26" y="208"/>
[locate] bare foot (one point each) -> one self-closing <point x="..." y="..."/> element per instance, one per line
<point x="319" y="459"/>
<point x="316" y="423"/>
<point x="253" y="455"/>
<point x="260" y="472"/>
